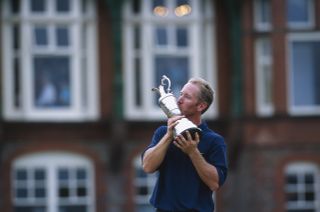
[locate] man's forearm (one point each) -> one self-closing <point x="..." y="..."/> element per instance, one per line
<point x="207" y="172"/>
<point x="154" y="156"/>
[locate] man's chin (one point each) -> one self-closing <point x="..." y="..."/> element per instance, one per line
<point x="182" y="113"/>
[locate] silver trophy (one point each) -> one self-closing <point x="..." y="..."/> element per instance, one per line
<point x="168" y="104"/>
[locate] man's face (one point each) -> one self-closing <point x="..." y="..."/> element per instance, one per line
<point x="188" y="100"/>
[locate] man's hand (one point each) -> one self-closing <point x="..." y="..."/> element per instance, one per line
<point x="187" y="145"/>
<point x="172" y="122"/>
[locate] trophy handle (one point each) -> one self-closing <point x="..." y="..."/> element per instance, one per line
<point x="163" y="83"/>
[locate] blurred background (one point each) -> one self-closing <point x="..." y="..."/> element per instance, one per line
<point x="77" y="108"/>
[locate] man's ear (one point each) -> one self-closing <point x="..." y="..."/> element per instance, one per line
<point x="201" y="106"/>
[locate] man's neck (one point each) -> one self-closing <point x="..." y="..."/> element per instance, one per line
<point x="195" y="119"/>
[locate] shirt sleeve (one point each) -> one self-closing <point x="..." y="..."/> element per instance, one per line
<point x="218" y="158"/>
<point x="158" y="134"/>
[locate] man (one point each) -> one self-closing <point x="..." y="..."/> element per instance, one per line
<point x="189" y="169"/>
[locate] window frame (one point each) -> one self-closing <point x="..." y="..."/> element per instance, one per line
<point x="303" y="25"/>
<point x="299" y="169"/>
<point x="149" y="181"/>
<point x="198" y="64"/>
<point x="51" y="162"/>
<point x="258" y="22"/>
<point x="78" y="110"/>
<point x="261" y="61"/>
<point x="298" y="110"/>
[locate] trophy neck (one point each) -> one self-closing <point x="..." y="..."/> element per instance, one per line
<point x="169" y="105"/>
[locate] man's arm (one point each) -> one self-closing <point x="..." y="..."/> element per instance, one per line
<point x="154" y="156"/>
<point x="207" y="172"/>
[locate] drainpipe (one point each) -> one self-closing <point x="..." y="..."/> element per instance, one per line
<point x="116" y="14"/>
<point x="235" y="37"/>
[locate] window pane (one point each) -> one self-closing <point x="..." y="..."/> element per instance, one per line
<point x="15" y="6"/>
<point x="263" y="14"/>
<point x="161" y="36"/>
<point x="62" y="35"/>
<point x="301" y="210"/>
<point x="39" y="174"/>
<point x="16" y="38"/>
<point x="267" y="84"/>
<point x="22" y="193"/>
<point x="41" y="36"/>
<point x="81" y="191"/>
<point x="144" y="208"/>
<point x="159" y="8"/>
<point x="137" y="36"/>
<point x="30" y="209"/>
<point x="298" y="10"/>
<point x="293" y="196"/>
<point x="309" y="196"/>
<point x="52" y="82"/>
<point x="181" y="2"/>
<point x="182" y="37"/>
<point x="64" y="192"/>
<point x="63" y="5"/>
<point x="21" y="174"/>
<point x="292" y="179"/>
<point x="309" y="179"/>
<point x="140" y="173"/>
<point x="142" y="190"/>
<point x="40" y="192"/>
<point x="81" y="174"/>
<point x="183" y="8"/>
<point x="63" y="174"/>
<point x="176" y="68"/>
<point x="137" y="88"/>
<point x="17" y="81"/>
<point x="136" y="4"/>
<point x="84" y="6"/>
<point x="306" y="73"/>
<point x="156" y="3"/>
<point x="37" y="5"/>
<point x="78" y="208"/>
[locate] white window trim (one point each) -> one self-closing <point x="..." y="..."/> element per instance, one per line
<point x="298" y="110"/>
<point x="147" y="111"/>
<point x="261" y="61"/>
<point x="149" y="181"/>
<point x="303" y="167"/>
<point x="311" y="19"/>
<point x="50" y="161"/>
<point x="28" y="112"/>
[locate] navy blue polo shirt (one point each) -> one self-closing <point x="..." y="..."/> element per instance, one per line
<point x="179" y="186"/>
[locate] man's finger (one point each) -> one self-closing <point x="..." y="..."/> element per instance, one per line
<point x="197" y="137"/>
<point x="188" y="135"/>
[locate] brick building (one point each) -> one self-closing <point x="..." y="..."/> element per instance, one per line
<point x="77" y="107"/>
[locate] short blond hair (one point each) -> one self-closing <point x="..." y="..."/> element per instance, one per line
<point x="206" y="93"/>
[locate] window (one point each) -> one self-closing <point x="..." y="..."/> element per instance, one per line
<point x="165" y="37"/>
<point x="302" y="187"/>
<point x="262" y="15"/>
<point x="264" y="97"/>
<point x="49" y="61"/>
<point x="300" y="14"/>
<point x="304" y="73"/>
<point x="143" y="186"/>
<point x="53" y="181"/>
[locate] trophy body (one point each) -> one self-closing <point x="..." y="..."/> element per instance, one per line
<point x="168" y="104"/>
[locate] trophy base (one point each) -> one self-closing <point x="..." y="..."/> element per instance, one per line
<point x="185" y="125"/>
<point x="192" y="132"/>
